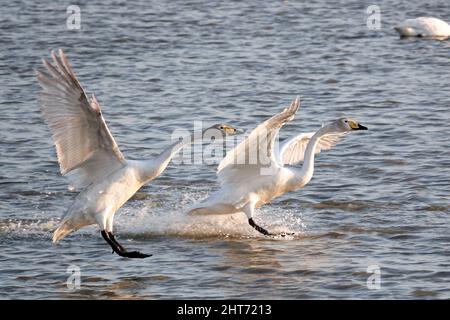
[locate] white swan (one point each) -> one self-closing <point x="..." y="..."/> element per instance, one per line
<point x="424" y="27"/>
<point x="89" y="156"/>
<point x="246" y="186"/>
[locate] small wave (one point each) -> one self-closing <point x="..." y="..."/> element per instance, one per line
<point x="424" y="293"/>
<point x="435" y="207"/>
<point x="343" y="205"/>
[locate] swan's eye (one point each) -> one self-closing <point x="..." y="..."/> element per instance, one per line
<point x="221" y="127"/>
<point x="346" y="121"/>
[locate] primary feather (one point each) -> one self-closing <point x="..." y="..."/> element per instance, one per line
<point x="257" y="150"/>
<point x="85" y="147"/>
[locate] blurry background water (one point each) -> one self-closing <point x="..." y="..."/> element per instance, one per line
<point x="379" y="198"/>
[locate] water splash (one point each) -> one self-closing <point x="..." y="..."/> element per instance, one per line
<point x="171" y="220"/>
<point x="167" y="217"/>
<point x="27" y="228"/>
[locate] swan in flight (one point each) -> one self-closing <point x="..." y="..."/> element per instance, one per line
<point x="427" y="27"/>
<point x="255" y="171"/>
<point x="89" y="156"/>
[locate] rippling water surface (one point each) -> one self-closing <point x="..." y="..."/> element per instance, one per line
<point x="379" y="198"/>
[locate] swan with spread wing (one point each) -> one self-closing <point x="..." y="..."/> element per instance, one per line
<point x="255" y="171"/>
<point x="90" y="157"/>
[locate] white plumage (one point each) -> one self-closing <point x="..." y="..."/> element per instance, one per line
<point x="427" y="27"/>
<point x="89" y="156"/>
<point x="293" y="150"/>
<point x="255" y="171"/>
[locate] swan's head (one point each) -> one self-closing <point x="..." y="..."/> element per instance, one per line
<point x="405" y="31"/>
<point x="344" y="125"/>
<point x="225" y="129"/>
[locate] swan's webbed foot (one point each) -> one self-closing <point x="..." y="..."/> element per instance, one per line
<point x="267" y="233"/>
<point x="121" y="251"/>
<point x="135" y="254"/>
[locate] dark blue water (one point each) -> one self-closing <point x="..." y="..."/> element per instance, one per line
<point x="379" y="198"/>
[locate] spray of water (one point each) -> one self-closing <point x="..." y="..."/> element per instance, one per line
<point x="172" y="220"/>
<point x="160" y="217"/>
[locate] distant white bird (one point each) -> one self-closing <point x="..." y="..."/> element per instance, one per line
<point x="89" y="156"/>
<point x="255" y="172"/>
<point x="426" y="27"/>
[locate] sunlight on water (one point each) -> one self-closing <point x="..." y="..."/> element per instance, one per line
<point x="379" y="199"/>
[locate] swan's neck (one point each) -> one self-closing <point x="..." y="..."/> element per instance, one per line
<point x="304" y="175"/>
<point x="152" y="168"/>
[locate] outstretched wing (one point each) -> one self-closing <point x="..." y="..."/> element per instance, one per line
<point x="257" y="150"/>
<point x="85" y="147"/>
<point x="293" y="150"/>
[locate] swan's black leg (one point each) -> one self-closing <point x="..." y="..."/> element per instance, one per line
<point x="113" y="245"/>
<point x="258" y="228"/>
<point x="264" y="231"/>
<point x="113" y="239"/>
<point x="121" y="251"/>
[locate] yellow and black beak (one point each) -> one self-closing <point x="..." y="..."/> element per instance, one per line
<point x="360" y="127"/>
<point x="357" y="126"/>
<point x="232" y="131"/>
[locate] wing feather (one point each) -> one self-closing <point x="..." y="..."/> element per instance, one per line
<point x="293" y="150"/>
<point x="85" y="147"/>
<point x="257" y="150"/>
